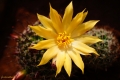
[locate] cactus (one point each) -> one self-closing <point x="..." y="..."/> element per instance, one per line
<point x="29" y="59"/>
<point x="108" y="49"/>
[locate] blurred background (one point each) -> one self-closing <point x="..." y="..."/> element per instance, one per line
<point x="17" y="14"/>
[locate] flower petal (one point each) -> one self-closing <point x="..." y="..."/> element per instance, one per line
<point x="48" y="55"/>
<point x="78" y="19"/>
<point x="84" y="15"/>
<point x="78" y="51"/>
<point x="60" y="61"/>
<point x="88" y="39"/>
<point x="76" y="59"/>
<point x="81" y="29"/>
<point x="83" y="47"/>
<point x="68" y="65"/>
<point x="41" y="31"/>
<point x="46" y="22"/>
<point x="45" y="44"/>
<point x="67" y="15"/>
<point x="56" y="20"/>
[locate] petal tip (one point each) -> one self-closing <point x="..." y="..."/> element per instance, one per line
<point x="39" y="64"/>
<point x="30" y="26"/>
<point x="84" y="10"/>
<point x="96" y="53"/>
<point x="71" y="3"/>
<point x="69" y="74"/>
<point x="96" y="21"/>
<point x="50" y="6"/>
<point x="56" y="74"/>
<point x="38" y="14"/>
<point x="82" y="71"/>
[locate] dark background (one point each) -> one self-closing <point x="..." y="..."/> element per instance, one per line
<point x="107" y="11"/>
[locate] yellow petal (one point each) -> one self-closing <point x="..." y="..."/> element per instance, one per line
<point x="45" y="44"/>
<point x="88" y="39"/>
<point x="77" y="59"/>
<point x="84" y="15"/>
<point x="60" y="61"/>
<point x="56" y="20"/>
<point x="81" y="29"/>
<point x="78" y="51"/>
<point x="67" y="15"/>
<point x="83" y="47"/>
<point x="48" y="55"/>
<point x="78" y="19"/>
<point x="46" y="22"/>
<point x="68" y="65"/>
<point x="41" y="31"/>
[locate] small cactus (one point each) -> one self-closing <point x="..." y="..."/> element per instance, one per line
<point x="29" y="58"/>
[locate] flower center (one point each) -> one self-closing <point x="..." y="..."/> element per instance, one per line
<point x="63" y="40"/>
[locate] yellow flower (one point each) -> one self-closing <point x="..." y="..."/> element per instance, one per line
<point x="64" y="38"/>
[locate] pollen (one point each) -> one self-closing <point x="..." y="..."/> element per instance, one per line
<point x="63" y="39"/>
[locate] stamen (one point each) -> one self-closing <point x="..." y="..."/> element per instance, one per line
<point x="63" y="40"/>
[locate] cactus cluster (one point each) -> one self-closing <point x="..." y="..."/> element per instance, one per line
<point x="29" y="58"/>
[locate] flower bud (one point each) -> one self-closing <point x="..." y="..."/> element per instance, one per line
<point x="53" y="64"/>
<point x="20" y="75"/>
<point x="14" y="36"/>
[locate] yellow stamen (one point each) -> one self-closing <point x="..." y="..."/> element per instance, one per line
<point x="63" y="39"/>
